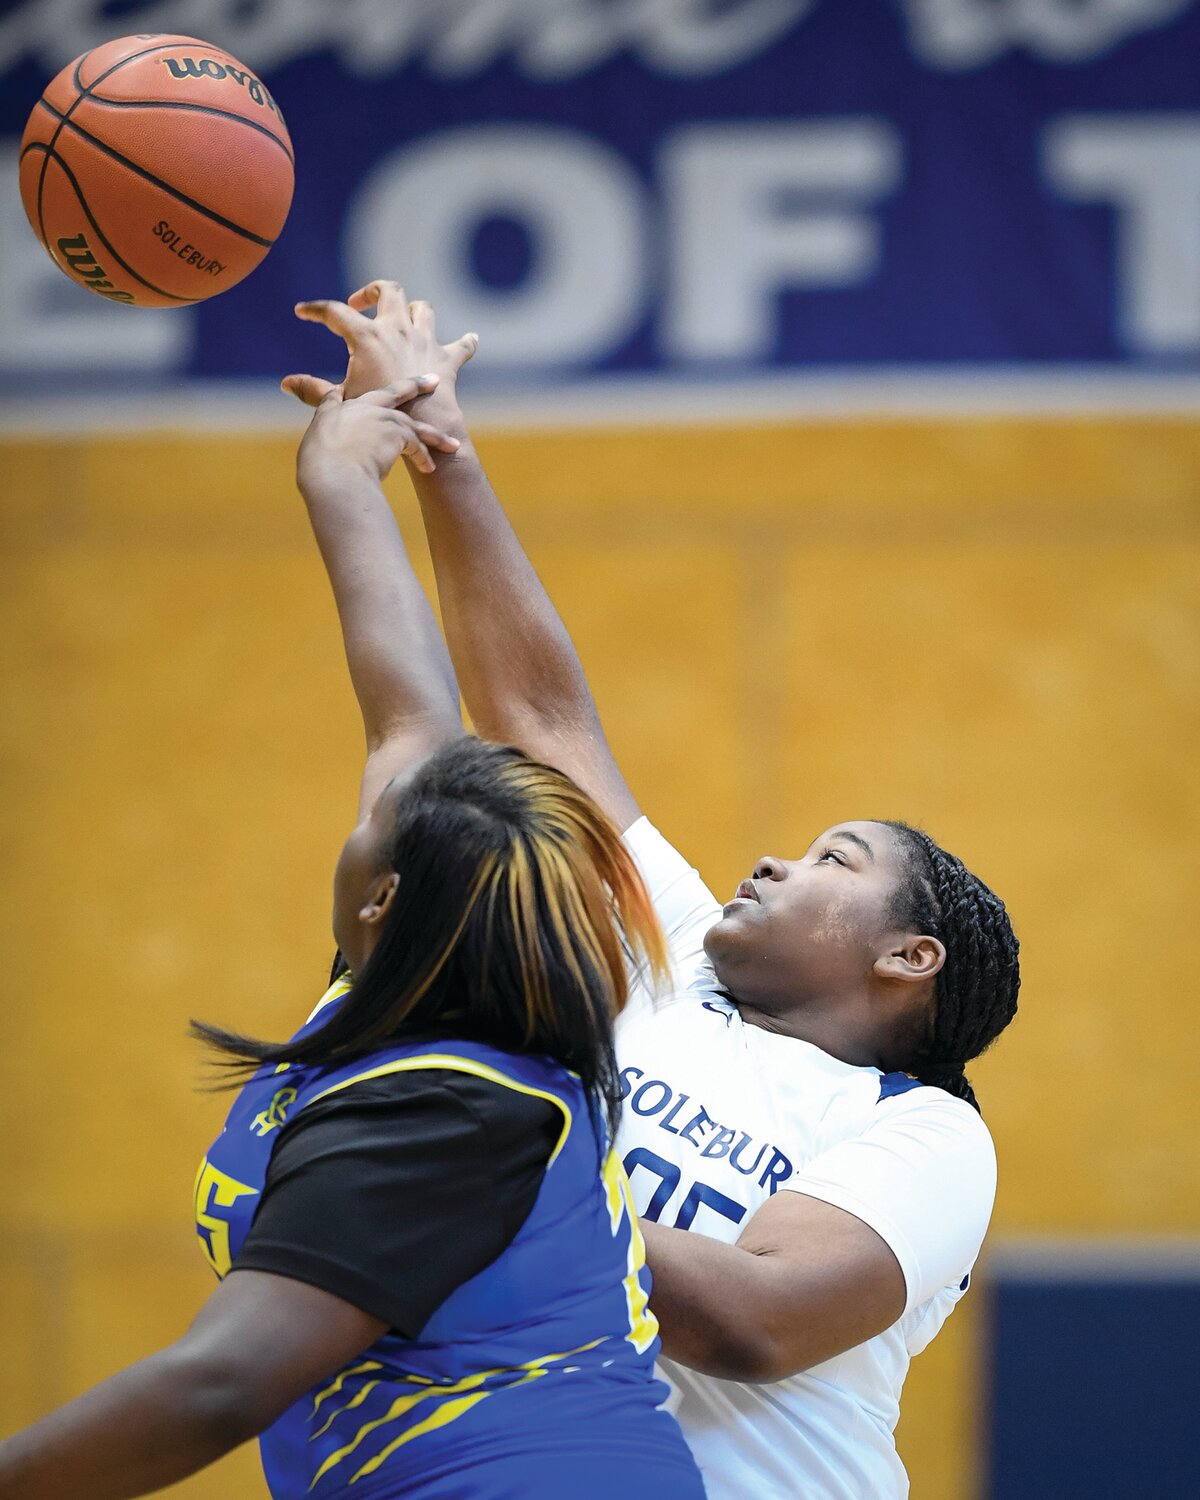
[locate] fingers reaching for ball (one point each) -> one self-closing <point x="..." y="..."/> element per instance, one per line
<point x="387" y="296"/>
<point x="310" y="389"/>
<point x="463" y="349"/>
<point x="387" y="336"/>
<point x="338" y="317"/>
<point x="401" y="392"/>
<point x="423" y="319"/>
<point x="369" y="432"/>
<point x="417" y="438"/>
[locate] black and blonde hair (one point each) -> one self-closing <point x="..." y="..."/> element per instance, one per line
<point x="975" y="994"/>
<point x="517" y="910"/>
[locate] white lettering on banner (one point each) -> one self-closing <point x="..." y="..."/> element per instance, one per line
<point x="1148" y="169"/>
<point x="416" y="216"/>
<point x="546" y="39"/>
<point x="49" y="324"/>
<point x="961" y="34"/>
<point x="755" y="210"/>
<point x="559" y="39"/>
<point x="749" y="212"/>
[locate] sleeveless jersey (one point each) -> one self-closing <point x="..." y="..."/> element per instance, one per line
<point x="546" y="1356"/>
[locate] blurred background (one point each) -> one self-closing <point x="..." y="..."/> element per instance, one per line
<point x="841" y="369"/>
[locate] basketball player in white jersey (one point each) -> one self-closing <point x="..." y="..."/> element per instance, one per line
<point x="813" y="1175"/>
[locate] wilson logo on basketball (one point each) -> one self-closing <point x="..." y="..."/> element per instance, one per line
<point x="209" y="67"/>
<point x="77" y="253"/>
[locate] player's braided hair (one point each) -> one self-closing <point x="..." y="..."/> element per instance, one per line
<point x="976" y="992"/>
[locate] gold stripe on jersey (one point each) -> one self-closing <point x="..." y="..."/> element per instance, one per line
<point x="335" y="1386"/>
<point x="340" y="1411"/>
<point x="450" y="1062"/>
<point x="442" y="1417"/>
<point x="335" y="992"/>
<point x="643" y="1325"/>
<point x="446" y="1414"/>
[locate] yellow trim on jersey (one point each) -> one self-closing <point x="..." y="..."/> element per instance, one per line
<point x="611" y="1178"/>
<point x="335" y="1385"/>
<point x="442" y="1417"/>
<point x="444" y="1414"/>
<point x="643" y="1325"/>
<point x="335" y="992"/>
<point x="455" y="1064"/>
<point x="338" y="1411"/>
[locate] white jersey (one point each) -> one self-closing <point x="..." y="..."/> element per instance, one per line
<point x="720" y="1115"/>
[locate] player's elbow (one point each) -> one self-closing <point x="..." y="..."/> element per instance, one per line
<point x="217" y="1397"/>
<point x="764" y="1357"/>
<point x="751" y="1352"/>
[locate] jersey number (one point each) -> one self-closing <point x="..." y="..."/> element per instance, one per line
<point x="698" y="1194"/>
<point x="216" y="1190"/>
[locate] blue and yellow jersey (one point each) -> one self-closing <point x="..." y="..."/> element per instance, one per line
<point x="544" y="1357"/>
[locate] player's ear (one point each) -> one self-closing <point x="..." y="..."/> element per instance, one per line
<point x="912" y="958"/>
<point x="381" y="894"/>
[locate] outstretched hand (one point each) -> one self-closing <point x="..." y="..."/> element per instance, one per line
<point x="369" y="432"/>
<point x="396" y="344"/>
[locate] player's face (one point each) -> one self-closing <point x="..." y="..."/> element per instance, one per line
<point x="798" y="931"/>
<point x="363" y="882"/>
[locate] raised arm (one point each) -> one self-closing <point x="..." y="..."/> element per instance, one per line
<point x="399" y="665"/>
<point x="518" y="669"/>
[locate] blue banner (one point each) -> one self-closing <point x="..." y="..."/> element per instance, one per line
<point x="1091" y="1358"/>
<point x="678" y="186"/>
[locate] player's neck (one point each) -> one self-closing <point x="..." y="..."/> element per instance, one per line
<point x="828" y="1032"/>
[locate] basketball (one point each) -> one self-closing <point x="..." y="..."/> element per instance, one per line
<point x="156" y="170"/>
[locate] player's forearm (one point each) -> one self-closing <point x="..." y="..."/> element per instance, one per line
<point x="517" y="666"/>
<point x="150" y="1426"/>
<point x="805" y="1282"/>
<point x="398" y="661"/>
<point x="514" y="658"/>
<point x="708" y="1304"/>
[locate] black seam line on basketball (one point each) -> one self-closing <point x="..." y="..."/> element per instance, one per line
<point x="39" y="229"/>
<point x="81" y="93"/>
<point x="104" y="239"/>
<point x="166" y="187"/>
<point x="203" y="109"/>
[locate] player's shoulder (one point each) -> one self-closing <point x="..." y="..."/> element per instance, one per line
<point x="414" y="1108"/>
<point x="647" y="844"/>
<point x="907" y="1104"/>
<point x="690" y="1004"/>
<point x="662" y="866"/>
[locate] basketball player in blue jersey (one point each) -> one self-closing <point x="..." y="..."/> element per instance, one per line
<point x="812" y="1172"/>
<point x="432" y="1280"/>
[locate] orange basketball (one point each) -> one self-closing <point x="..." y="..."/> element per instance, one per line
<point x="156" y="170"/>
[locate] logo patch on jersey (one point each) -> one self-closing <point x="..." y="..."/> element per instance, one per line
<point x="275" y="1113"/>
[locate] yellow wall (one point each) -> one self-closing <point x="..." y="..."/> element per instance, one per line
<point x="989" y="627"/>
